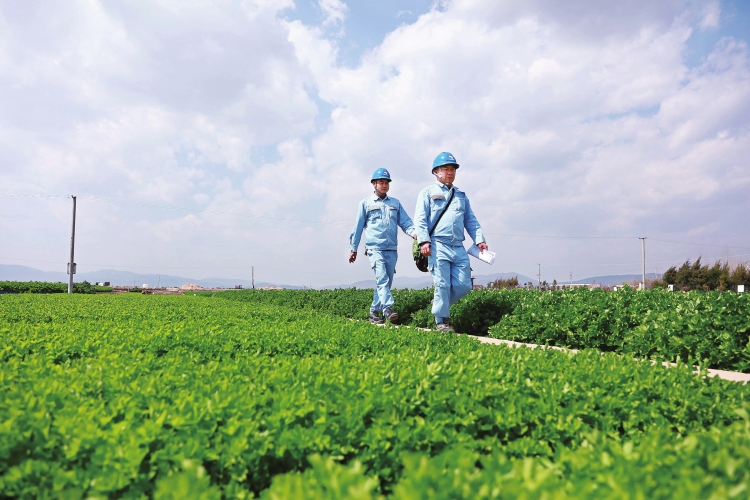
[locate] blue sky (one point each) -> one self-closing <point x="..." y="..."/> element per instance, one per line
<point x="366" y="23"/>
<point x="578" y="119"/>
<point x="735" y="22"/>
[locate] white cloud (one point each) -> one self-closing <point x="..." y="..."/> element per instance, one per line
<point x="711" y="16"/>
<point x="562" y="133"/>
<point x="572" y="119"/>
<point x="334" y="12"/>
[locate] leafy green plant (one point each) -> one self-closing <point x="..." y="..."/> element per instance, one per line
<point x="713" y="464"/>
<point x="713" y="327"/>
<point x="481" y="309"/>
<point x="136" y="396"/>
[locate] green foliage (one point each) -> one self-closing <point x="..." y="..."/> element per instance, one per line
<point x="479" y="310"/>
<point x="192" y="483"/>
<point x="134" y="396"/>
<point x="415" y="251"/>
<point x="473" y="315"/>
<point x="349" y="302"/>
<point x="695" y="276"/>
<point x="714" y="464"/>
<point x="48" y="287"/>
<point x="500" y="284"/>
<point x="325" y="480"/>
<point x="423" y="319"/>
<point x="713" y="326"/>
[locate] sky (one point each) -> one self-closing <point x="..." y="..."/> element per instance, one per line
<point x="205" y="139"/>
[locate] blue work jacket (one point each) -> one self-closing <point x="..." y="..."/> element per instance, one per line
<point x="380" y="220"/>
<point x="458" y="218"/>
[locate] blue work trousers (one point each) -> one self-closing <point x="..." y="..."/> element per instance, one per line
<point x="383" y="262"/>
<point x="451" y="275"/>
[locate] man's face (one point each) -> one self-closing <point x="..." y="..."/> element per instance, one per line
<point x="381" y="186"/>
<point x="445" y="174"/>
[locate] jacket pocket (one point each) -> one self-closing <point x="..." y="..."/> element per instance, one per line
<point x="459" y="205"/>
<point x="374" y="213"/>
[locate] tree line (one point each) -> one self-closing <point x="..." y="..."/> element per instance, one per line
<point x="698" y="276"/>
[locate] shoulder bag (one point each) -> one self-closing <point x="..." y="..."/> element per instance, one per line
<point x="419" y="259"/>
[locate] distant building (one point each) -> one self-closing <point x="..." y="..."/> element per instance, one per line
<point x="191" y="286"/>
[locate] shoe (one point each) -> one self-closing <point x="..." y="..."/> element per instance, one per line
<point x="390" y="314"/>
<point x="445" y="327"/>
<point x="375" y="318"/>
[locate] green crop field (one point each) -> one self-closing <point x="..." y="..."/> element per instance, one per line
<point x="281" y="395"/>
<point x="709" y="327"/>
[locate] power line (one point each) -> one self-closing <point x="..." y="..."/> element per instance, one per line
<point x="564" y="237"/>
<point x="31" y="195"/>
<point x="639" y="263"/>
<point x="213" y="212"/>
<point x="699" y="244"/>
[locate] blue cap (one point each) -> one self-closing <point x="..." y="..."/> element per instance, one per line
<point x="381" y="173"/>
<point x="444" y="158"/>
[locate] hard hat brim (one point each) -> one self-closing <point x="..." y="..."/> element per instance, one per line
<point x="446" y="165"/>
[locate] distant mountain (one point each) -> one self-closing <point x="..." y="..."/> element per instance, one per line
<point x="616" y="279"/>
<point x="123" y="278"/>
<point x="23" y="273"/>
<point x="127" y="278"/>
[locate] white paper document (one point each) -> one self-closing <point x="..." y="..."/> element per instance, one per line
<point x="486" y="256"/>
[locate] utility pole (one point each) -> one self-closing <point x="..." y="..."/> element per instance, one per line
<point x="539" y="276"/>
<point x="643" y="255"/>
<point x="252" y="270"/>
<point x="71" y="264"/>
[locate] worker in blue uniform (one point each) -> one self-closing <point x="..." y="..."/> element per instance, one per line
<point x="448" y="261"/>
<point x="380" y="216"/>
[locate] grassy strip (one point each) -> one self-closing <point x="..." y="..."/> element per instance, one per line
<point x="49" y="287"/>
<point x="709" y="326"/>
<point x="473" y="315"/>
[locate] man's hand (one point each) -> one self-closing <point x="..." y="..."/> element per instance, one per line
<point x="414" y="236"/>
<point x="483" y="247"/>
<point x="424" y="249"/>
<point x="352" y="257"/>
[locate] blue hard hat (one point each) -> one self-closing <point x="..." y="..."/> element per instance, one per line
<point x="444" y="158"/>
<point x="381" y="173"/>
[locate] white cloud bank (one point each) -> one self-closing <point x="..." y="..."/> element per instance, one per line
<point x="582" y="120"/>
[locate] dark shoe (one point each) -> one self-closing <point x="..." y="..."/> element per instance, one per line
<point x="445" y="327"/>
<point x="390" y="315"/>
<point x="375" y="318"/>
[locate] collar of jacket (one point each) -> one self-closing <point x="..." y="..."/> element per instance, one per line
<point x="445" y="187"/>
<point x="376" y="197"/>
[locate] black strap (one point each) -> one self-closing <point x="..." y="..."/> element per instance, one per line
<point x="450" y="199"/>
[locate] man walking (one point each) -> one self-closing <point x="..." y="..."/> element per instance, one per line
<point x="380" y="216"/>
<point x="443" y="205"/>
